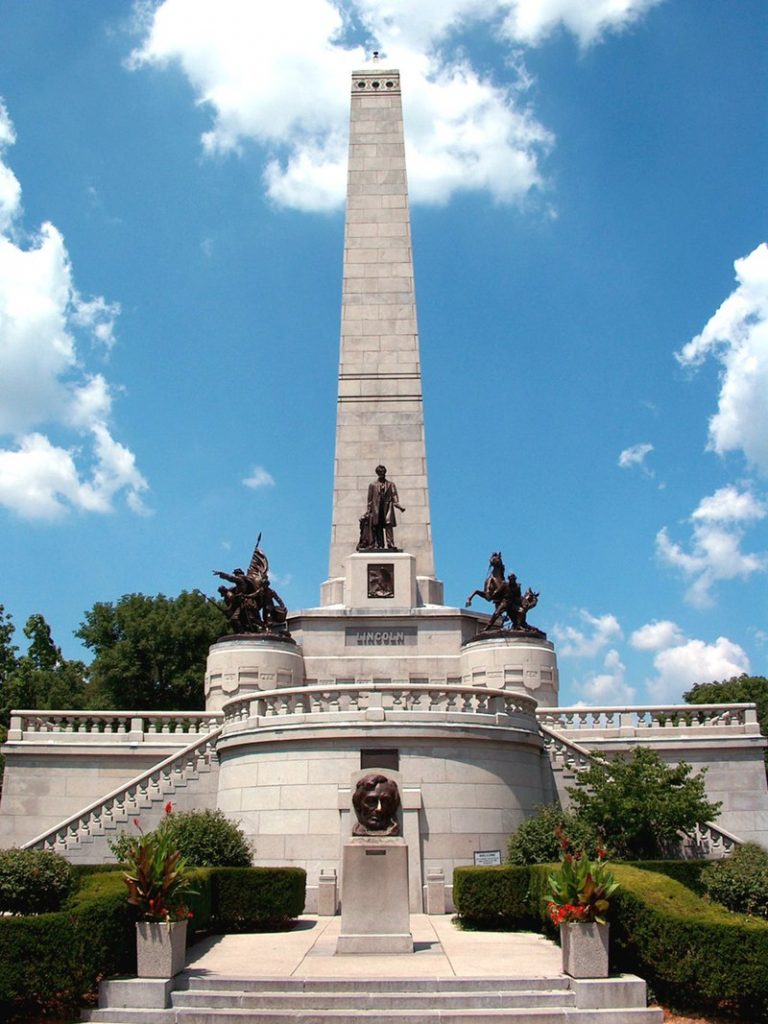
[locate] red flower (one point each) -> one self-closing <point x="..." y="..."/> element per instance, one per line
<point x="136" y="823"/>
<point x="168" y="807"/>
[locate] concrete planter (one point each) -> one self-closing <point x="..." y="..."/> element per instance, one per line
<point x="160" y="948"/>
<point x="585" y="949"/>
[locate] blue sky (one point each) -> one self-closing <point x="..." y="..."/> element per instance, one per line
<point x="588" y="202"/>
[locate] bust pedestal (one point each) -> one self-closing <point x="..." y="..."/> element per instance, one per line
<point x="374" y="897"/>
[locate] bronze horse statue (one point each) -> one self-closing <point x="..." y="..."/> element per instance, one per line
<point x="493" y="581"/>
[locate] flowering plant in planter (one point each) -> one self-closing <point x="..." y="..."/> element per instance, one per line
<point x="579" y="890"/>
<point x="157" y="877"/>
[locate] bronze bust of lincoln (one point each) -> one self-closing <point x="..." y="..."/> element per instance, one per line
<point x="376" y="800"/>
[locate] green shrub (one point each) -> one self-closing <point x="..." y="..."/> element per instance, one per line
<point x="205" y="839"/>
<point x="688" y="872"/>
<point x="120" y="844"/>
<point x="535" y="841"/>
<point x="491" y="896"/>
<point x="693" y="953"/>
<point x="252" y="899"/>
<point x="208" y="839"/>
<point x="50" y="962"/>
<point x="33" y="881"/>
<point x="740" y="882"/>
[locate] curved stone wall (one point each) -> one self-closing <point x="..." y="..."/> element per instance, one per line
<point x="238" y="666"/>
<point x="464" y="789"/>
<point x="520" y="663"/>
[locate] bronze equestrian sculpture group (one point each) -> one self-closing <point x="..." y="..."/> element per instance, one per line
<point x="510" y="604"/>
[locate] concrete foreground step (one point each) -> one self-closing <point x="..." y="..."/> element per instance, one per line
<point x="519" y="1015"/>
<point x="371" y="1002"/>
<point x="450" y="983"/>
<point x="206" y="999"/>
<point x="523" y="1015"/>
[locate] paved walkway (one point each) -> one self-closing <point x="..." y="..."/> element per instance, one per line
<point x="441" y="950"/>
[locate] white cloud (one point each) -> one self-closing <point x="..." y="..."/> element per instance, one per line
<point x="279" y="75"/>
<point x="586" y="643"/>
<point x="10" y="189"/>
<point x="715" y="548"/>
<point x="635" y="456"/>
<point x="529" y="21"/>
<point x="680" y="667"/>
<point x="44" y="381"/>
<point x="258" y="478"/>
<point x="729" y="505"/>
<point x="656" y="635"/>
<point x="98" y="316"/>
<point x="609" y="687"/>
<point x="737" y="336"/>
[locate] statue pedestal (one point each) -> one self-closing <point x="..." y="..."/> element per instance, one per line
<point x="374" y="897"/>
<point x="239" y="665"/>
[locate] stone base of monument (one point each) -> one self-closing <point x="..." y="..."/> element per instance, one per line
<point x="374" y="897"/>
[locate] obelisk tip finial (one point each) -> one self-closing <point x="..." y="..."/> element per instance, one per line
<point x="375" y="56"/>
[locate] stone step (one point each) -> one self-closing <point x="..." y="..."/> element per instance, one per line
<point x="511" y="1015"/>
<point x="363" y="1001"/>
<point x="132" y="1015"/>
<point x="448" y="1000"/>
<point x="371" y="985"/>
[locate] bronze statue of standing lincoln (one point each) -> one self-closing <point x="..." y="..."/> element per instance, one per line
<point x="382" y="502"/>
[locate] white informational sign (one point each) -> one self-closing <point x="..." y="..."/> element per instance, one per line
<point x="487" y="858"/>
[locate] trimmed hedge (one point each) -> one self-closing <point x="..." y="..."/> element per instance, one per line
<point x="688" y="872"/>
<point x="497" y="896"/>
<point x="52" y="962"/>
<point x="693" y="953"/>
<point x="250" y="899"/>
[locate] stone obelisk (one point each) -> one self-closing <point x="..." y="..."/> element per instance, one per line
<point x="380" y="418"/>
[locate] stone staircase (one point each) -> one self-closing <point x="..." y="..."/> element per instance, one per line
<point x="187" y="777"/>
<point x="451" y="1000"/>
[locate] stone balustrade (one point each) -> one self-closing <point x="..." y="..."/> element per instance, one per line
<point x="111" y="726"/>
<point x="565" y="754"/>
<point x="128" y="799"/>
<point x="393" y="701"/>
<point x="709" y="841"/>
<point x="636" y="721"/>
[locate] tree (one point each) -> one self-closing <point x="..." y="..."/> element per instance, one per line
<point x="7" y="647"/>
<point x="741" y="689"/>
<point x="41" y="678"/>
<point x="638" y="804"/>
<point x="149" y="652"/>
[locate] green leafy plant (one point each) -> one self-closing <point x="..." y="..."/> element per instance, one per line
<point x="579" y="890"/>
<point x="207" y="838"/>
<point x="157" y="876"/>
<point x="33" y="881"/>
<point x="740" y="883"/>
<point x="641" y="804"/>
<point x="535" y="841"/>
